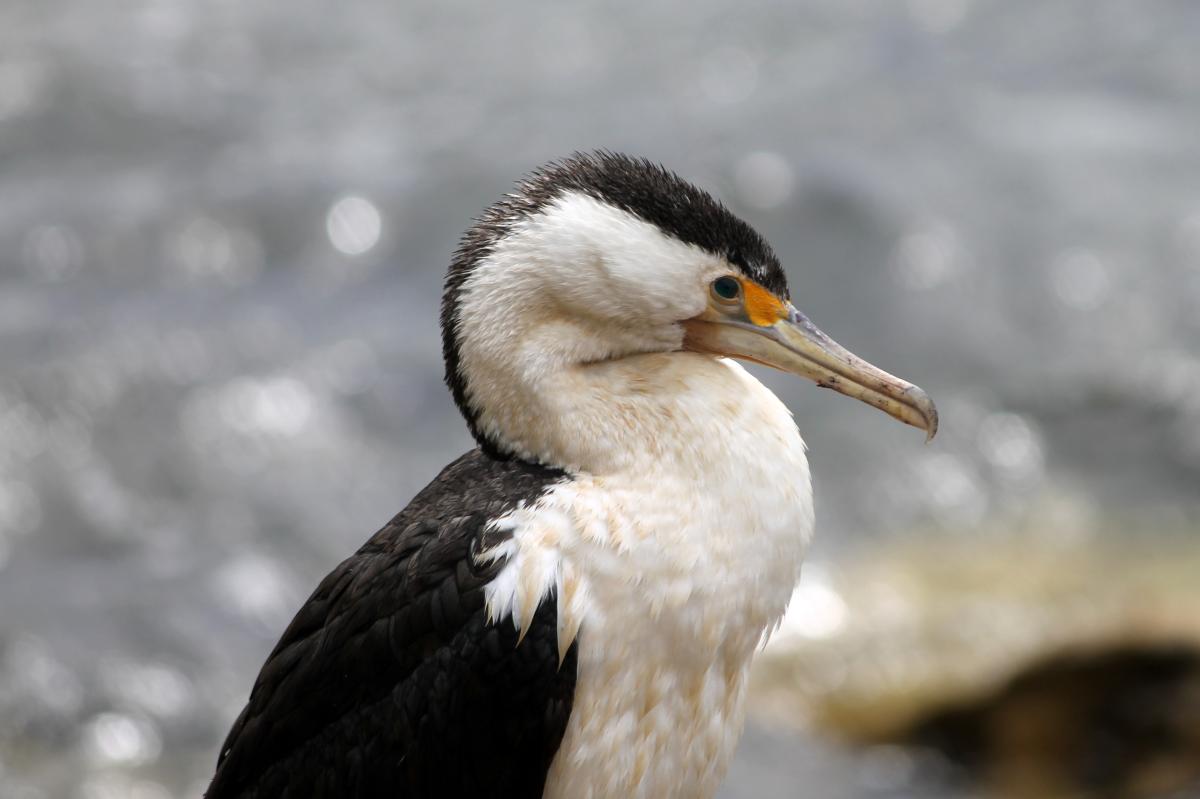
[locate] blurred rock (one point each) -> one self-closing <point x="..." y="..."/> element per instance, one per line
<point x="1039" y="665"/>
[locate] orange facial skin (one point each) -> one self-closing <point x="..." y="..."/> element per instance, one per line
<point x="762" y="307"/>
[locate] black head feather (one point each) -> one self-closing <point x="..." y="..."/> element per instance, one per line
<point x="636" y="185"/>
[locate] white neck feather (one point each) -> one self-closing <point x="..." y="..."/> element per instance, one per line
<point x="677" y="541"/>
<point x="546" y="320"/>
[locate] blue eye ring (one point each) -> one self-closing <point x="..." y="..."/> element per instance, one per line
<point x="726" y="288"/>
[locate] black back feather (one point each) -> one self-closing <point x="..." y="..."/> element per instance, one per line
<point x="391" y="682"/>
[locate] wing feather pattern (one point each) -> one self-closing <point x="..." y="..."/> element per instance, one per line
<point x="390" y="682"/>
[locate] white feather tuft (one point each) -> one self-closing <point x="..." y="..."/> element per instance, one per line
<point x="670" y="572"/>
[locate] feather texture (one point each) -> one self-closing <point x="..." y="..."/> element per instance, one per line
<point x="392" y="682"/>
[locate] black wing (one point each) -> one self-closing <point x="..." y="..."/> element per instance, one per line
<point x="390" y="681"/>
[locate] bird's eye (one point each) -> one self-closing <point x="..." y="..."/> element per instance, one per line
<point x="726" y="288"/>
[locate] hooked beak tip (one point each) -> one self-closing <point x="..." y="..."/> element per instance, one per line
<point x="924" y="406"/>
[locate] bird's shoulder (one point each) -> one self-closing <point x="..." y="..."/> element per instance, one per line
<point x="392" y="634"/>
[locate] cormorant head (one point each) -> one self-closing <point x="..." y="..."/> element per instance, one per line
<point x="602" y="256"/>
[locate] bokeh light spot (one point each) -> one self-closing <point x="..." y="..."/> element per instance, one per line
<point x="817" y="610"/>
<point x="1010" y="444"/>
<point x="274" y="406"/>
<point x="956" y="497"/>
<point x="208" y="250"/>
<point x="120" y="739"/>
<point x="764" y="180"/>
<point x="927" y="256"/>
<point x="1080" y="279"/>
<point x="155" y="688"/>
<point x="354" y="225"/>
<point x="256" y="587"/>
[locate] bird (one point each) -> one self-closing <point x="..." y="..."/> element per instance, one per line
<point x="570" y="608"/>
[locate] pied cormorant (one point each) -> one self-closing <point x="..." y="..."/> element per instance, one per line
<point x="570" y="609"/>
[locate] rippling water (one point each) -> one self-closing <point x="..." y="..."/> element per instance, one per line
<point x="223" y="228"/>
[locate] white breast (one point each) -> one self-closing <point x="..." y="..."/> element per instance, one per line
<point x="670" y="570"/>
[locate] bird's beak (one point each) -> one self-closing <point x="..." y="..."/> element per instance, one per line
<point x="772" y="332"/>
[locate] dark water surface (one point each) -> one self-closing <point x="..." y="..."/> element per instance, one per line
<point x="223" y="228"/>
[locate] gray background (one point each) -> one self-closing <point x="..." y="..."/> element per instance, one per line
<point x="206" y="402"/>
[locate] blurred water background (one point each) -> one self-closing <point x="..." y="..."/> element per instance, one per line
<point x="224" y="225"/>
